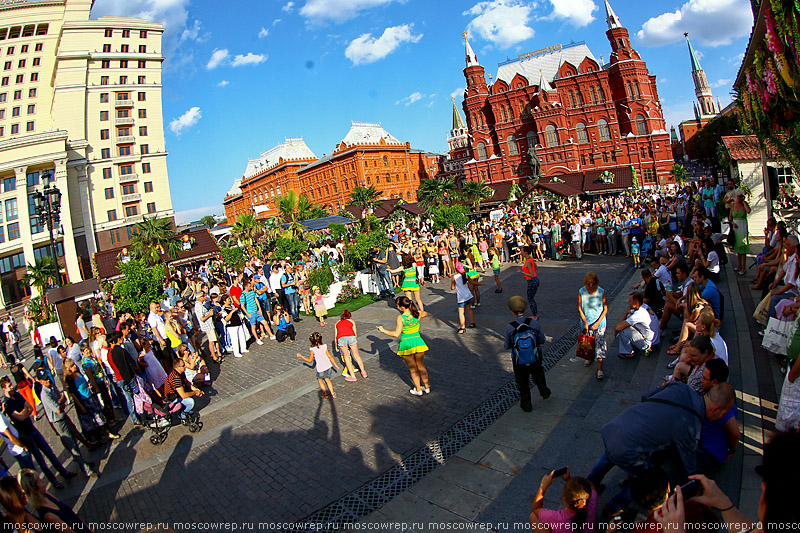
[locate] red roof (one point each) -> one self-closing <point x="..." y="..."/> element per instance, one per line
<point x="561" y="189"/>
<point x="205" y="246"/>
<point x="501" y="191"/>
<point x="745" y="148"/>
<point x="623" y="179"/>
<point x="386" y="208"/>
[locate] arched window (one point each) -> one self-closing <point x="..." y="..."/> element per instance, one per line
<point x="629" y="90"/>
<point x="278" y="190"/>
<point x="532" y="139"/>
<point x="385" y="161"/>
<point x="552" y="135"/>
<point x="510" y="112"/>
<point x="641" y="125"/>
<point x="377" y="180"/>
<point x="481" y="151"/>
<point x="503" y="113"/>
<point x="271" y="192"/>
<point x="580" y="98"/>
<point x="572" y="99"/>
<point x="583" y="138"/>
<point x="600" y="95"/>
<point x="512" y="146"/>
<point x="605" y="133"/>
<point x="522" y="109"/>
<point x="636" y="87"/>
<point x="593" y="95"/>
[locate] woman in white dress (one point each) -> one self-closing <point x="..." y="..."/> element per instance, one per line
<point x="788" y="418"/>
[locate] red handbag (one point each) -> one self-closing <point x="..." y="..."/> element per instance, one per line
<point x="586" y="347"/>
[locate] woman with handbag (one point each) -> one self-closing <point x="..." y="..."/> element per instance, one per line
<point x="593" y="308"/>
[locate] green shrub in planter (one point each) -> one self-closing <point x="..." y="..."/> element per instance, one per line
<point x="322" y="277"/>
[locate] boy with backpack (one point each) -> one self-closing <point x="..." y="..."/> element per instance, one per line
<point x="524" y="337"/>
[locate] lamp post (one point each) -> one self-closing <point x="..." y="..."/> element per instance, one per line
<point x="48" y="206"/>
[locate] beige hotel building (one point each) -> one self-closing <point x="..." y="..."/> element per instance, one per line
<point x="80" y="101"/>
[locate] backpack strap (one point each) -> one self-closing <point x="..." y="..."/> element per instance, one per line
<point x="528" y="321"/>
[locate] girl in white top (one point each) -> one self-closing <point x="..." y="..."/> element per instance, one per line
<point x="153" y="370"/>
<point x="323" y="362"/>
<point x="463" y="286"/>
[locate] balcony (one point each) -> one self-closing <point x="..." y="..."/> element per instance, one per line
<point x="128" y="178"/>
<point x="123" y="103"/>
<point x="135" y="197"/>
<point x="126" y="139"/>
<point x="124" y="121"/>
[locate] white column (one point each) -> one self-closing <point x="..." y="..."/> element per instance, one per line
<point x="68" y="240"/>
<point x="86" y="209"/>
<point x="24" y="218"/>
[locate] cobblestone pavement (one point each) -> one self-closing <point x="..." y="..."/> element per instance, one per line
<point x="272" y="450"/>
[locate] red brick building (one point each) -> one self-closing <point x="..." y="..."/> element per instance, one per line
<point x="581" y="115"/>
<point x="367" y="155"/>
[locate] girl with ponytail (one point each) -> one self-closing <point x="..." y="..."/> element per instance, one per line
<point x="580" y="507"/>
<point x="412" y="348"/>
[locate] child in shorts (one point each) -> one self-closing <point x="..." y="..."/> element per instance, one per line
<point x="635" y="252"/>
<point x="433" y="268"/>
<point x="323" y="362"/>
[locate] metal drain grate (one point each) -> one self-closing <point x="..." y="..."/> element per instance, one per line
<point x="378" y="492"/>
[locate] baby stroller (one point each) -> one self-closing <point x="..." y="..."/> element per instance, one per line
<point x="158" y="416"/>
<point x="646" y="250"/>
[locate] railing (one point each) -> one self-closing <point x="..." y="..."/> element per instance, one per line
<point x="135" y="197"/>
<point x="124" y="121"/>
<point x="123" y="103"/>
<point x="126" y="139"/>
<point x="127" y="178"/>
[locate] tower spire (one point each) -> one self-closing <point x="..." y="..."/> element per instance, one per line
<point x="457" y="121"/>
<point x="472" y="59"/>
<point x="611" y="18"/>
<point x="695" y="62"/>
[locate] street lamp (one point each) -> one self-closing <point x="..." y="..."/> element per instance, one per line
<point x="47" y="203"/>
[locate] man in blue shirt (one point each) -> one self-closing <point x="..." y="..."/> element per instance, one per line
<point x="702" y="276"/>
<point x="719" y="438"/>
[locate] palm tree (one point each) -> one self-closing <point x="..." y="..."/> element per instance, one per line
<point x="154" y="237"/>
<point x="41" y="273"/>
<point x="476" y="192"/>
<point x="432" y="191"/>
<point x="366" y="198"/>
<point x="292" y="209"/>
<point x="247" y="228"/>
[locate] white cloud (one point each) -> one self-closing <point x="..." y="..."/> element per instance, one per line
<point x="321" y="11"/>
<point x="711" y="22"/>
<point x="458" y="94"/>
<point x="185" y="121"/>
<point x="722" y="82"/>
<point x="276" y="21"/>
<point x="737" y="59"/>
<point x="223" y="83"/>
<point x="576" y="12"/>
<point x="194" y="33"/>
<point x="410" y="99"/>
<point x="263" y="33"/>
<point x="662" y="81"/>
<point x="501" y="22"/>
<point x="288" y="7"/>
<point x="249" y="59"/>
<point x="173" y="14"/>
<point x="191" y="215"/>
<point x="218" y="57"/>
<point x="367" y="49"/>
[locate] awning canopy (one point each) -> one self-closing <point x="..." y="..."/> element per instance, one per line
<point x="561" y="189"/>
<point x="324" y="222"/>
<point x="72" y="291"/>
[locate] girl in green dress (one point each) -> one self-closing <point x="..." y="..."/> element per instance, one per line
<point x="739" y="212"/>
<point x="412" y="348"/>
<point x="410" y="286"/>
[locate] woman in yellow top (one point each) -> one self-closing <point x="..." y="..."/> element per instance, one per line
<point x="412" y="348"/>
<point x="410" y="286"/>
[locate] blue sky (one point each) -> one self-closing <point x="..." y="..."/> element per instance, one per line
<point x="242" y="75"/>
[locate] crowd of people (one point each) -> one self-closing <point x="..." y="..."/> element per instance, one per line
<point x="210" y="311"/>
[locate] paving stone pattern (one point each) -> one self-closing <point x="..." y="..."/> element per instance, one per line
<point x="272" y="450"/>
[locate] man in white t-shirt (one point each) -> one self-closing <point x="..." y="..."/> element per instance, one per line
<point x="634" y="329"/>
<point x="11" y="438"/>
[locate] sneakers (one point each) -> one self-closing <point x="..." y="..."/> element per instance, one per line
<point x="600" y="374"/>
<point x="547" y="394"/>
<point x="245" y="351"/>
<point x="477" y="304"/>
<point x="426" y="390"/>
<point x="271" y="337"/>
<point x="237" y="356"/>
<point x="415" y="392"/>
<point x="259" y="342"/>
<point x="350" y="378"/>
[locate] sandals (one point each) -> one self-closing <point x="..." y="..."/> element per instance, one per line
<point x="472" y="325"/>
<point x="587" y="363"/>
<point x="461" y="331"/>
<point x="325" y="396"/>
<point x="600" y="374"/>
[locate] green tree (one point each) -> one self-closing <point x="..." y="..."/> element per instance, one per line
<point x="317" y="211"/>
<point x="209" y="221"/>
<point x="292" y="209"/>
<point x="356" y="253"/>
<point x="288" y="245"/>
<point x="445" y="215"/>
<point x="679" y="174"/>
<point x="433" y="191"/>
<point x="154" y="237"/>
<point x="140" y="285"/>
<point x="365" y="198"/>
<point x="233" y="257"/>
<point x="476" y="192"/>
<point x="39" y="276"/>
<point x="247" y="229"/>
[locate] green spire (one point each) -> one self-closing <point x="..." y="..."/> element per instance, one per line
<point x="695" y="62"/>
<point x="457" y="122"/>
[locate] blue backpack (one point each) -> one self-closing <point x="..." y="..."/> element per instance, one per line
<point x="525" y="348"/>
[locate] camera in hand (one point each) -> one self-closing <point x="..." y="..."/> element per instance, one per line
<point x="691" y="489"/>
<point x="560" y="472"/>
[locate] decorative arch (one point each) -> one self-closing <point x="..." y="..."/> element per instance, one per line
<point x="519" y="81"/>
<point x="567" y="69"/>
<point x="532" y="139"/>
<point x="481" y="151"/>
<point x="641" y="125"/>
<point x="604" y="130"/>
<point x="552" y="135"/>
<point x="499" y="87"/>
<point x="589" y="65"/>
<point x="583" y="137"/>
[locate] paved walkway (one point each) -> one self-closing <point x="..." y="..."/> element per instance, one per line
<point x="492" y="481"/>
<point x="272" y="451"/>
